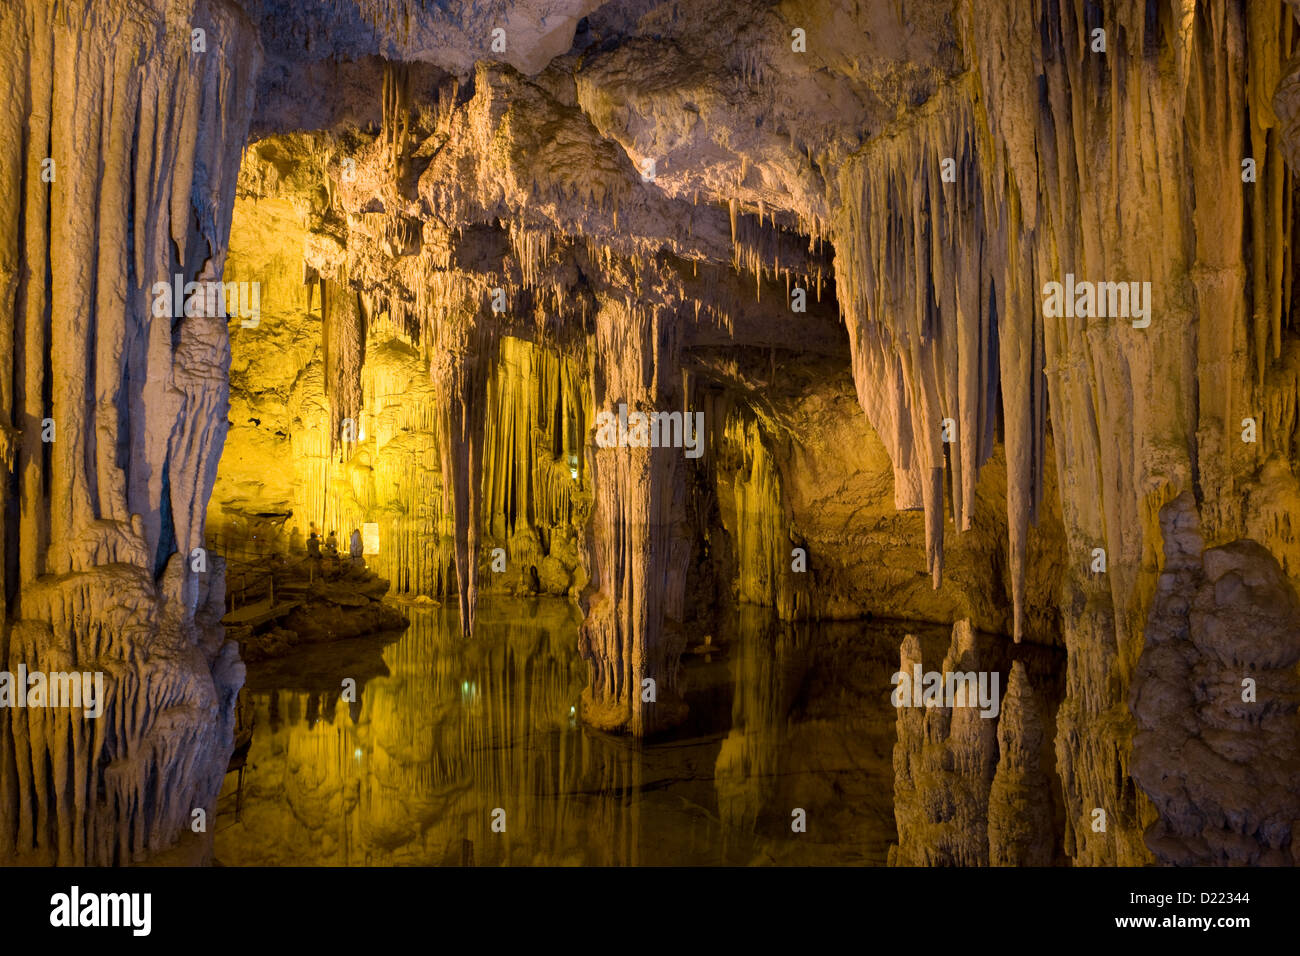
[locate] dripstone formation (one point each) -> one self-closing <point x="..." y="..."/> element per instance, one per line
<point x="833" y="228"/>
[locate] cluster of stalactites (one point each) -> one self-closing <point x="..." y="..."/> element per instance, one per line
<point x="918" y="277"/>
<point x="465" y="346"/>
<point x="764" y="536"/>
<point x="1076" y="159"/>
<point x="532" y="249"/>
<point x="396" y="124"/>
<point x="534" y="456"/>
<point x="392" y="17"/>
<point x="1271" y="38"/>
<point x="639" y="552"/>
<point x="759" y="245"/>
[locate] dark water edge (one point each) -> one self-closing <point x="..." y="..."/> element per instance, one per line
<point x="444" y="732"/>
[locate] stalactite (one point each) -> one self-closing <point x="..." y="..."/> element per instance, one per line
<point x="534" y="470"/>
<point x="759" y="517"/>
<point x="396" y="115"/>
<point x="343" y="349"/>
<point x="532" y="249"/>
<point x="464" y="357"/>
<point x="1169" y="91"/>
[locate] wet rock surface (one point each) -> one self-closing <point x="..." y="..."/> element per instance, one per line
<point x="472" y="244"/>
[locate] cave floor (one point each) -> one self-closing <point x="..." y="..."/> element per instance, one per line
<point x="470" y="752"/>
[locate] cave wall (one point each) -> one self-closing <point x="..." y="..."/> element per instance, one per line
<point x="644" y="193"/>
<point x="114" y="418"/>
<point x="1139" y="418"/>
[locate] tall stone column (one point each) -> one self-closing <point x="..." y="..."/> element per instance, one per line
<point x="123" y="126"/>
<point x="631" y="637"/>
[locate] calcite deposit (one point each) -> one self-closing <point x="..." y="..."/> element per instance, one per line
<point x="831" y="228"/>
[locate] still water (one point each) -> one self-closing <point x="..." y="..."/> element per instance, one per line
<point x="445" y="732"/>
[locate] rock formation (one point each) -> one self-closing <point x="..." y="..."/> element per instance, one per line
<point x="1215" y="697"/>
<point x="969" y="784"/>
<point x="115" y="418"/>
<point x="833" y="228"/>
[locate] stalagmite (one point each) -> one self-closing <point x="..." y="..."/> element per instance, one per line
<point x="1020" y="806"/>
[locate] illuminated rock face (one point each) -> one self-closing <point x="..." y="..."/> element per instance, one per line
<point x="114" y="418"/>
<point x="834" y="231"/>
<point x="1215" y="696"/>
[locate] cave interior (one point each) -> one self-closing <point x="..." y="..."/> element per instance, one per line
<point x="566" y="431"/>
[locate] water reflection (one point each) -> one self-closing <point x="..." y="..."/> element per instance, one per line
<point x="444" y="732"/>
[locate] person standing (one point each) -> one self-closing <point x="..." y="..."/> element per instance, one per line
<point x="313" y="555"/>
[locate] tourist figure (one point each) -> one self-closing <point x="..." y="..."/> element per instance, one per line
<point x="355" y="547"/>
<point x="332" y="543"/>
<point x="313" y="554"/>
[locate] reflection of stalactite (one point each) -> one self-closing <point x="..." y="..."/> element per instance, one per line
<point x="969" y="789"/>
<point x="417" y="767"/>
<point x="768" y="668"/>
<point x="1020" y="807"/>
<point x="943" y="769"/>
